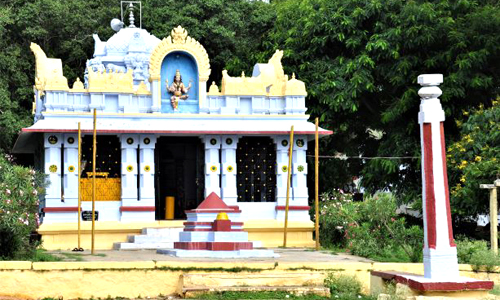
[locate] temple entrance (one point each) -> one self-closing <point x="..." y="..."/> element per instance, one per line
<point x="179" y="173"/>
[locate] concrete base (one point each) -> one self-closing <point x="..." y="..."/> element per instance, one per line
<point x="416" y="285"/>
<point x="65" y="235"/>
<point x="218" y="254"/>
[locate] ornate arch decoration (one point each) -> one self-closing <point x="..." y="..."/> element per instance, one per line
<point x="178" y="40"/>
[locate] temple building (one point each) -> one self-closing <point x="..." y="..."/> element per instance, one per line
<point x="164" y="131"/>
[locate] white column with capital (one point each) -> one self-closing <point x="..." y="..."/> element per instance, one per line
<point x="228" y="169"/>
<point x="440" y="253"/>
<point x="300" y="211"/>
<point x="212" y="164"/>
<point x="129" y="173"/>
<point x="146" y="169"/>
<point x="71" y="170"/>
<point x="282" y="144"/>
<point x="52" y="167"/>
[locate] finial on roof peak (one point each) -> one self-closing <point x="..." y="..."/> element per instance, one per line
<point x="129" y="5"/>
<point x="131" y="15"/>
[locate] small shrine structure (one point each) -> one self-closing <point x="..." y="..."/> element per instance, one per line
<point x="210" y="232"/>
<point x="162" y="131"/>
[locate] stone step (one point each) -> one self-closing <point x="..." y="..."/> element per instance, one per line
<point x="170" y="231"/>
<point x="142" y="246"/>
<point x="143" y="239"/>
<point x="296" y="290"/>
<point x="209" y="280"/>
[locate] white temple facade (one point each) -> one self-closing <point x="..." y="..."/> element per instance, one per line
<point x="162" y="131"/>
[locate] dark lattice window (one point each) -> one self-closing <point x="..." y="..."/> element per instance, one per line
<point x="256" y="164"/>
<point x="108" y="156"/>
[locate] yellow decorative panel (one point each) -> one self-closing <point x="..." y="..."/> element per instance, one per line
<point x="178" y="40"/>
<point x="48" y="71"/>
<point x="111" y="81"/>
<point x="271" y="81"/>
<point x="107" y="189"/>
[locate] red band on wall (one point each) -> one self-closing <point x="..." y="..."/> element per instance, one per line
<point x="292" y="207"/>
<point x="430" y="199"/>
<point x="137" y="208"/>
<point x="60" y="209"/>
<point x="446" y="188"/>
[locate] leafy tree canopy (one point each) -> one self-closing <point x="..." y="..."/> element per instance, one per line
<point x="231" y="34"/>
<point x="474" y="160"/>
<point x="360" y="60"/>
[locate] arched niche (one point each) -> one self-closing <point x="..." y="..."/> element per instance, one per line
<point x="178" y="41"/>
<point x="186" y="64"/>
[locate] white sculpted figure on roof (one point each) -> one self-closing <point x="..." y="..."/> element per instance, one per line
<point x="178" y="90"/>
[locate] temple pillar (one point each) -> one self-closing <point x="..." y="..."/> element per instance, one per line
<point x="282" y="144"/>
<point x="71" y="169"/>
<point x="440" y="253"/>
<point x="130" y="203"/>
<point x="147" y="173"/>
<point x="212" y="164"/>
<point x="299" y="209"/>
<point x="228" y="169"/>
<point x="55" y="208"/>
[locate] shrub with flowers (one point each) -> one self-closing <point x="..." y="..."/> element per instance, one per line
<point x="371" y="228"/>
<point x="20" y="189"/>
<point x="474" y="160"/>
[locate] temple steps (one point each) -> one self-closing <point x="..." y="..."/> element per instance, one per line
<point x="151" y="238"/>
<point x="191" y="285"/>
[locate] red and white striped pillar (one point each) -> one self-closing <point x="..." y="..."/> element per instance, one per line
<point x="440" y="252"/>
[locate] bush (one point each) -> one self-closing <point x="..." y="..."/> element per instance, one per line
<point x="370" y="228"/>
<point x="484" y="260"/>
<point x="20" y="189"/>
<point x="467" y="247"/>
<point x="343" y="286"/>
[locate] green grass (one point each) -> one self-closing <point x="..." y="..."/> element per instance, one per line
<point x="255" y="295"/>
<point x="42" y="255"/>
<point x="495" y="290"/>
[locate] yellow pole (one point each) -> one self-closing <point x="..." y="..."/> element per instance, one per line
<point x="290" y="154"/>
<point x="93" y="182"/>
<point x="494" y="220"/>
<point x="79" y="172"/>
<point x="316" y="183"/>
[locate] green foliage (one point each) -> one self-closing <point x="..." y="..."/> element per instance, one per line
<point x="344" y="287"/>
<point x="466" y="248"/>
<point x="19" y="191"/>
<point x="232" y="35"/>
<point x="477" y="254"/>
<point x="484" y="260"/>
<point x="360" y="61"/>
<point x="255" y="295"/>
<point x="473" y="160"/>
<point x="343" y="284"/>
<point x="370" y="228"/>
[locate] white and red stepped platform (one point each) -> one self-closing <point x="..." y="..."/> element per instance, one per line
<point x="151" y="238"/>
<point x="206" y="236"/>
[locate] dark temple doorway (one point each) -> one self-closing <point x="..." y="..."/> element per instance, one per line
<point x="179" y="173"/>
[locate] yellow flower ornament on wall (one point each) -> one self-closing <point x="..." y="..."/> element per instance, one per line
<point x="130" y="168"/>
<point x="213" y="168"/>
<point x="284" y="168"/>
<point x="230" y="169"/>
<point x="71" y="169"/>
<point x="147" y="168"/>
<point x="53" y="168"/>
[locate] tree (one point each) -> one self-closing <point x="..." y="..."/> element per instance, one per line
<point x="474" y="160"/>
<point x="360" y="60"/>
<point x="232" y="35"/>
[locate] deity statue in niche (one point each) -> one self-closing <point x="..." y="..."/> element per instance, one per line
<point x="178" y="90"/>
